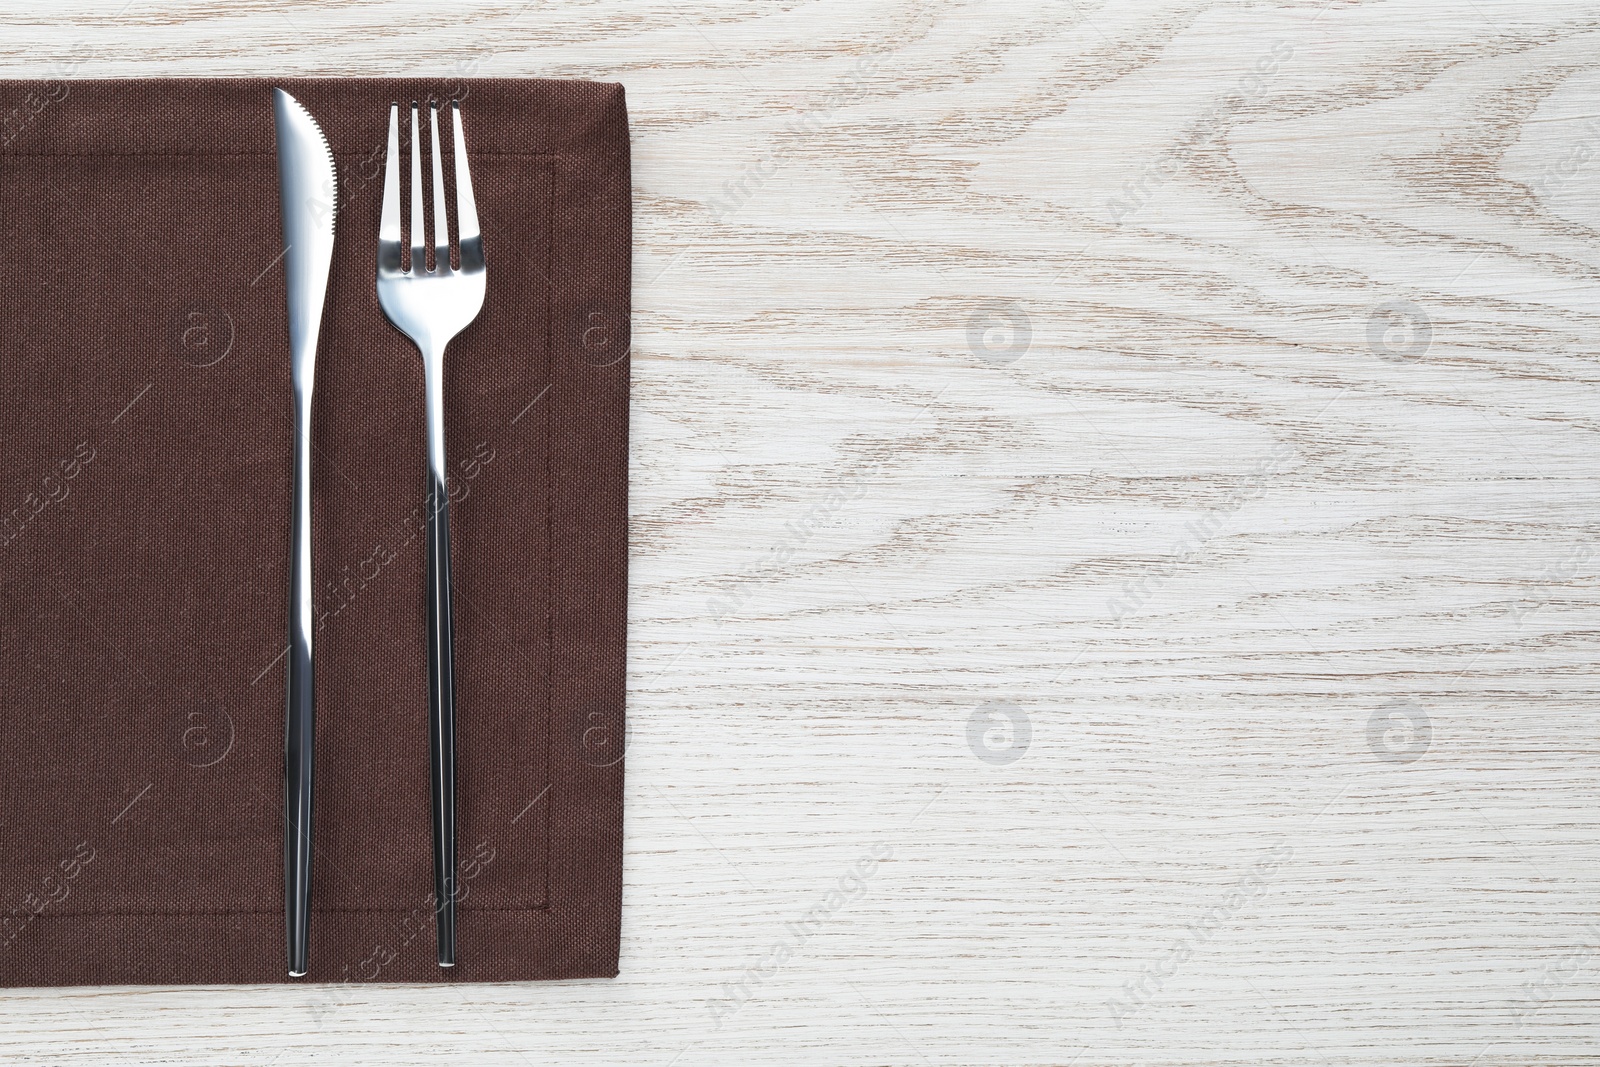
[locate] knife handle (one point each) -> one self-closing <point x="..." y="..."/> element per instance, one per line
<point x="300" y="728"/>
<point x="441" y="673"/>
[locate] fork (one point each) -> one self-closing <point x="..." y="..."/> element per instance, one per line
<point x="431" y="307"/>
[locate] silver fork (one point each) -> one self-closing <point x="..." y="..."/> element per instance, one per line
<point x="431" y="308"/>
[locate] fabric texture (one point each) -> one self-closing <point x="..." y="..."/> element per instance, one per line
<point x="144" y="537"/>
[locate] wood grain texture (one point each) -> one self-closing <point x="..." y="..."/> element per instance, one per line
<point x="1114" y="533"/>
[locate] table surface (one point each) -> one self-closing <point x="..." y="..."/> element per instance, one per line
<point x="1113" y="579"/>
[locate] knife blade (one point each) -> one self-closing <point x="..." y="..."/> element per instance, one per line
<point x="308" y="199"/>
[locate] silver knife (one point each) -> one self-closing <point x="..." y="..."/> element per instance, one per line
<point x="307" y="190"/>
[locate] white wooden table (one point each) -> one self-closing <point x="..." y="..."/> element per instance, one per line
<point x="1114" y="533"/>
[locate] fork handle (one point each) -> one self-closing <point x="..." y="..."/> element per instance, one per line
<point x="441" y="676"/>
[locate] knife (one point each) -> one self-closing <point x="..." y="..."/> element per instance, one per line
<point x="307" y="193"/>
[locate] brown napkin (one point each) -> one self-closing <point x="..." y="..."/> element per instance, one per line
<point x="145" y="400"/>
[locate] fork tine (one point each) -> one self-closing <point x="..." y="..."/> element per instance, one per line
<point x="419" y="260"/>
<point x="389" y="229"/>
<point x="441" y="222"/>
<point x="470" y="237"/>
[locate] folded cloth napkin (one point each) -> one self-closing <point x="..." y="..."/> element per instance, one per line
<point x="146" y="480"/>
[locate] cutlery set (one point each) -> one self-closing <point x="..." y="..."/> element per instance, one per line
<point x="431" y="307"/>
